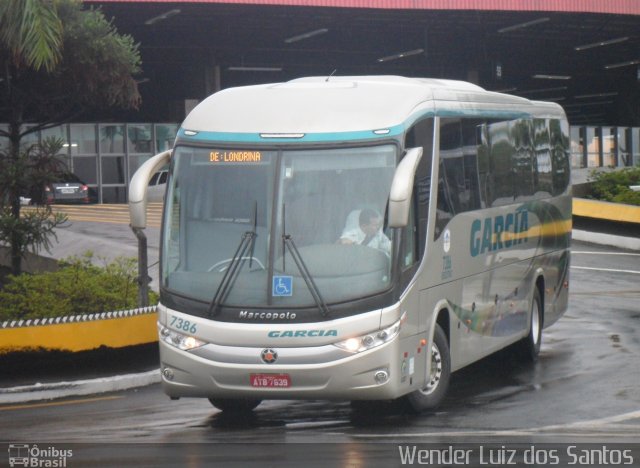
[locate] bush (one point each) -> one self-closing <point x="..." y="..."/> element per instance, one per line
<point x="614" y="186"/>
<point x="77" y="288"/>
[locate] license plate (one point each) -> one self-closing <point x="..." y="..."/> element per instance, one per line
<point x="270" y="380"/>
<point x="68" y="190"/>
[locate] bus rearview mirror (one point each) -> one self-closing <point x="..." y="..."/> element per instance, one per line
<point x="402" y="188"/>
<point x="138" y="188"/>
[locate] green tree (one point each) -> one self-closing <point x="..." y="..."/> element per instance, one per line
<point x="58" y="61"/>
<point x="615" y="186"/>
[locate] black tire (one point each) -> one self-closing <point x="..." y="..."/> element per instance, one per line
<point x="240" y="405"/>
<point x="433" y="393"/>
<point x="529" y="346"/>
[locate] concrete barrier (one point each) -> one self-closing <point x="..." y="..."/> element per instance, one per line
<point x="606" y="210"/>
<point x="81" y="332"/>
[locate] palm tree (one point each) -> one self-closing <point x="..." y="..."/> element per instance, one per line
<point x="50" y="74"/>
<point x="30" y="38"/>
<point x="32" y="32"/>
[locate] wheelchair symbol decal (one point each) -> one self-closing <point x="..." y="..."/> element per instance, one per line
<point x="282" y="286"/>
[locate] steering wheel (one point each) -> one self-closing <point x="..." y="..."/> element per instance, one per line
<point x="229" y="260"/>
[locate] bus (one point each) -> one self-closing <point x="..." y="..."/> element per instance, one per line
<point x="356" y="238"/>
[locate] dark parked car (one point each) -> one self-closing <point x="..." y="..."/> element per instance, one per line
<point x="68" y="188"/>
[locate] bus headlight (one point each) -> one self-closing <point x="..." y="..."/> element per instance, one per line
<point x="371" y="340"/>
<point x="180" y="341"/>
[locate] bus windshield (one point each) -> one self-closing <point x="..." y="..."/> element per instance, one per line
<point x="240" y="218"/>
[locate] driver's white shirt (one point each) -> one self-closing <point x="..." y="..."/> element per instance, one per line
<point x="378" y="241"/>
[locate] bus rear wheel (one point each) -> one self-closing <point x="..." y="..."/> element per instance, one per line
<point x="432" y="394"/>
<point x="529" y="346"/>
<point x="234" y="405"/>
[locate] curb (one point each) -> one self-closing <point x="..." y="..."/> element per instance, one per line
<point x="49" y="391"/>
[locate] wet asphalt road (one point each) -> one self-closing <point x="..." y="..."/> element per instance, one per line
<point x="584" y="388"/>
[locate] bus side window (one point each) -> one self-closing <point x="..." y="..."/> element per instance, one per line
<point x="471" y="151"/>
<point x="542" y="162"/>
<point x="409" y="253"/>
<point x="450" y="173"/>
<point x="459" y="180"/>
<point x="500" y="156"/>
<point x="522" y="160"/>
<point x="415" y="235"/>
<point x="444" y="207"/>
<point x="484" y="166"/>
<point x="559" y="136"/>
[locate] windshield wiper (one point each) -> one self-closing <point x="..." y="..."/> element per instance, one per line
<point x="247" y="242"/>
<point x="287" y="241"/>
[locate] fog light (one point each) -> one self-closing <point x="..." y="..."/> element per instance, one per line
<point x="381" y="376"/>
<point x="167" y="374"/>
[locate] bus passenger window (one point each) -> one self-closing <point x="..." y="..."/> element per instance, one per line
<point x="459" y="179"/>
<point x="501" y="150"/>
<point x="484" y="166"/>
<point x="444" y="209"/>
<point x="542" y="162"/>
<point x="559" y="136"/>
<point x="421" y="135"/>
<point x="522" y="160"/>
<point x="447" y="202"/>
<point x="408" y="255"/>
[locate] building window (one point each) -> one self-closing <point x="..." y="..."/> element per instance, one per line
<point x="592" y="141"/>
<point x="113" y="169"/>
<point x="577" y="147"/>
<point x="83" y="139"/>
<point x="139" y="139"/>
<point x="609" y="147"/>
<point x="165" y="136"/>
<point x="634" y="145"/>
<point x="112" y="139"/>
<point x="86" y="168"/>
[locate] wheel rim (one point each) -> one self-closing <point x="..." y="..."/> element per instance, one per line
<point x="535" y="322"/>
<point x="436" y="371"/>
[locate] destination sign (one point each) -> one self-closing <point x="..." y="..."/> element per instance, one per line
<point x="235" y="156"/>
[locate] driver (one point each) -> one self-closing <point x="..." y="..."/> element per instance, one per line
<point x="368" y="232"/>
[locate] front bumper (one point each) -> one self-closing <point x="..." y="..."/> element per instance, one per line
<point x="341" y="376"/>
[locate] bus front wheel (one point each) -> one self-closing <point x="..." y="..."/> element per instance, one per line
<point x="235" y="405"/>
<point x="432" y="394"/>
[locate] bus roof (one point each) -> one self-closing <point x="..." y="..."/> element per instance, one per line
<point x="321" y="105"/>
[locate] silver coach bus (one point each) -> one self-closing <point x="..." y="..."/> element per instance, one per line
<point x="356" y="238"/>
